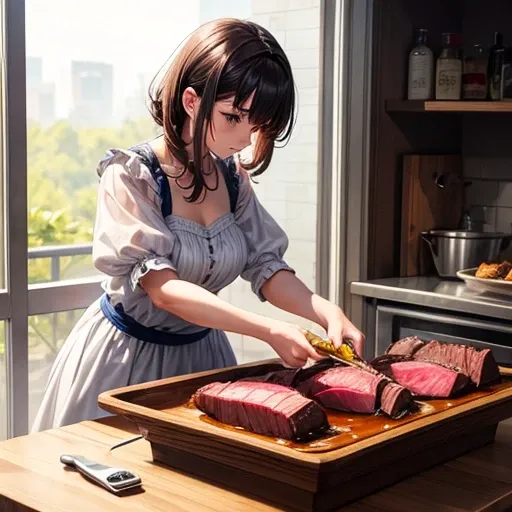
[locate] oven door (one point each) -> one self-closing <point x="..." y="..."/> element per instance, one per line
<point x="394" y="323"/>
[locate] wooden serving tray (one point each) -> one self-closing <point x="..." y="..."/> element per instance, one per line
<point x="371" y="453"/>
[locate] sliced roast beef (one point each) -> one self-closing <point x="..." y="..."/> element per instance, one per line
<point x="405" y="347"/>
<point x="396" y="400"/>
<point x="478" y="364"/>
<point x="355" y="390"/>
<point x="343" y="388"/>
<point x="423" y="378"/>
<point x="262" y="408"/>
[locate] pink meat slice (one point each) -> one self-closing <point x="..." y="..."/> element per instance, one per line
<point x="344" y="388"/>
<point x="428" y="379"/>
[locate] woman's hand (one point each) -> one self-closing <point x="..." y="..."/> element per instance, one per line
<point x="290" y="344"/>
<point x="284" y="290"/>
<point x="340" y="328"/>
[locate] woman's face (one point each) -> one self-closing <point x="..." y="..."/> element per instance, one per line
<point x="230" y="130"/>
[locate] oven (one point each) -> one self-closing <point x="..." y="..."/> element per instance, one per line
<point x="394" y="322"/>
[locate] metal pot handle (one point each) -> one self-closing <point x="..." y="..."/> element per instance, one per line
<point x="430" y="241"/>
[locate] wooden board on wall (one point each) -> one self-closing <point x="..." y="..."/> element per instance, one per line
<point x="432" y="198"/>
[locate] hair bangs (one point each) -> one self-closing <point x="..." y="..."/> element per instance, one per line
<point x="273" y="106"/>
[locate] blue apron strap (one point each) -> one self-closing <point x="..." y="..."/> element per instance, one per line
<point x="164" y="190"/>
<point x="125" y="323"/>
<point x="228" y="168"/>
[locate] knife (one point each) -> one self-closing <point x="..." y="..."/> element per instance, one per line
<point x="344" y="354"/>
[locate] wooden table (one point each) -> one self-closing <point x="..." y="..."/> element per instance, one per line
<point x="32" y="478"/>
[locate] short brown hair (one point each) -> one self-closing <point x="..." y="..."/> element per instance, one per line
<point x="224" y="58"/>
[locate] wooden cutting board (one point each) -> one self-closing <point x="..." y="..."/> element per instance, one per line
<point x="425" y="206"/>
<point x="373" y="451"/>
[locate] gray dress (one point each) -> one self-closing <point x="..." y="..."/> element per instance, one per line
<point x="131" y="237"/>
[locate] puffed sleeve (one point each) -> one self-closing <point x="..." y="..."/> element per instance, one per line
<point x="266" y="241"/>
<point x="130" y="234"/>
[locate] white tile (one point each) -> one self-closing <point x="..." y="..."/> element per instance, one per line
<point x="481" y="193"/>
<point x="505" y="194"/>
<point x="276" y="208"/>
<point x="280" y="36"/>
<point x="297" y="192"/>
<point x="269" y="6"/>
<point x="307" y="174"/>
<point x="308" y="96"/>
<point x="277" y="21"/>
<point x="497" y="168"/>
<point x="307" y="115"/>
<point x="473" y="167"/>
<point x="304" y="59"/>
<point x="305" y="230"/>
<point x="490" y="167"/>
<point x="303" y="39"/>
<point x="305" y="134"/>
<point x="261" y="19"/>
<point x="304" y="4"/>
<point x="504" y="220"/>
<point x="305" y="78"/>
<point x="304" y="18"/>
<point x="483" y="215"/>
<point x="303" y="153"/>
<point x="297" y="248"/>
<point x="300" y="210"/>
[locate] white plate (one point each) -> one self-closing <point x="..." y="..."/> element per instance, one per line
<point x="484" y="285"/>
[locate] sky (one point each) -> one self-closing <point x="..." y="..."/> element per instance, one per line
<point x="136" y="36"/>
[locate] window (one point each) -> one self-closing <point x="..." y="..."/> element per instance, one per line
<point x="46" y="335"/>
<point x="86" y="90"/>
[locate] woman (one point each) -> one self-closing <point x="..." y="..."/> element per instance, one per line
<point x="177" y="221"/>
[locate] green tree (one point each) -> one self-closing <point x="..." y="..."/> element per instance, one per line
<point x="62" y="189"/>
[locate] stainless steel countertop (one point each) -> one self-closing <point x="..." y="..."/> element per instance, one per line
<point x="436" y="293"/>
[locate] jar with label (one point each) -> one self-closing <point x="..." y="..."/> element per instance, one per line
<point x="421" y="69"/>
<point x="474" y="77"/>
<point x="449" y="69"/>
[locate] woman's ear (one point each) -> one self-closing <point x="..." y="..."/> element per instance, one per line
<point x="190" y="102"/>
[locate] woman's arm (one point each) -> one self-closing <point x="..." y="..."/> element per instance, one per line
<point x="286" y="291"/>
<point x="201" y="307"/>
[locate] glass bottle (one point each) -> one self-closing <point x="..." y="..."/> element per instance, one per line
<point x="474" y="77"/>
<point x="449" y="69"/>
<point x="496" y="61"/>
<point x="421" y="68"/>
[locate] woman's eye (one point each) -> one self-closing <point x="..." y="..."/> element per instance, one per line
<point x="232" y="118"/>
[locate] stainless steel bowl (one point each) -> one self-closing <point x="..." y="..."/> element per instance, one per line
<point x="458" y="250"/>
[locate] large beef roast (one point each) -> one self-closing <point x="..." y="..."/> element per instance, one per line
<point x="478" y="364"/>
<point x="423" y="378"/>
<point x="262" y="408"/>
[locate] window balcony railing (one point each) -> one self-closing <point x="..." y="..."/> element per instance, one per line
<point x="55" y="253"/>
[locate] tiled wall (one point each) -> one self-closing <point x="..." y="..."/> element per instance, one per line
<point x="488" y="166"/>
<point x="288" y="188"/>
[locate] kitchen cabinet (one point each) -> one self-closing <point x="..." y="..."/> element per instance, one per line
<point x="477" y="130"/>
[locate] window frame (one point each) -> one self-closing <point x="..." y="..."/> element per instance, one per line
<point x="20" y="300"/>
